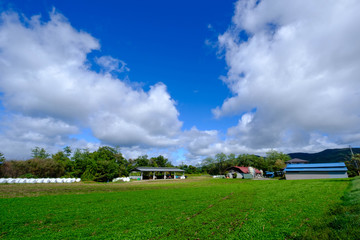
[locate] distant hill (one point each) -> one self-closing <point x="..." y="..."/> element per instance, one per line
<point x="328" y="155"/>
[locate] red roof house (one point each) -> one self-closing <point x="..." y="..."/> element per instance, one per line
<point x="242" y="172"/>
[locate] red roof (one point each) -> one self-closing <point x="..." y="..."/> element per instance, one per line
<point x="246" y="169"/>
<point x="243" y="169"/>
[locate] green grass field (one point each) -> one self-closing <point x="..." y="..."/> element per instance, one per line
<point x="195" y="208"/>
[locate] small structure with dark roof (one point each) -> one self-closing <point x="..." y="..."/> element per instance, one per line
<point x="243" y="172"/>
<point x="297" y="161"/>
<point x="154" y="170"/>
<point x="315" y="171"/>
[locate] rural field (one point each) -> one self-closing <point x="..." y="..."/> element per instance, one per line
<point x="195" y="208"/>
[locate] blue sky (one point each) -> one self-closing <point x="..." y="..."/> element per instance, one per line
<point x="160" y="41"/>
<point x="183" y="79"/>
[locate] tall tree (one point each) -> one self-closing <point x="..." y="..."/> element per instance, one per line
<point x="160" y="161"/>
<point x="142" y="161"/>
<point x="39" y="153"/>
<point x="220" y="159"/>
<point x="276" y="160"/>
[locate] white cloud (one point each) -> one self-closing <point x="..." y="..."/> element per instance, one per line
<point x="298" y="69"/>
<point x="20" y="134"/>
<point x="48" y="84"/>
<point x="294" y="83"/>
<point x="111" y="64"/>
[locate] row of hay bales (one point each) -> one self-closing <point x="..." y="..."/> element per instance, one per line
<point x="124" y="179"/>
<point x="39" y="180"/>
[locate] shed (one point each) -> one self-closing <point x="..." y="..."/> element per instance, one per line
<point x="315" y="171"/>
<point x="243" y="172"/>
<point x="297" y="161"/>
<point x="154" y="170"/>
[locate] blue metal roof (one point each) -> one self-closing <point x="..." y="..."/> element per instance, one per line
<point x="317" y="170"/>
<point x="317" y="167"/>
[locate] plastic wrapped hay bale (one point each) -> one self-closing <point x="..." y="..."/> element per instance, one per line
<point x="40" y="180"/>
<point x="11" y="180"/>
<point x="59" y="180"/>
<point x="78" y="179"/>
<point x="46" y="180"/>
<point x="31" y="180"/>
<point x="22" y="180"/>
<point x="52" y="180"/>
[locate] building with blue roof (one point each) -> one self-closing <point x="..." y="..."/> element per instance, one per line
<point x="315" y="171"/>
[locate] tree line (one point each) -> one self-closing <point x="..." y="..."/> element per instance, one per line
<point x="101" y="165"/>
<point x="273" y="161"/>
<point x="107" y="163"/>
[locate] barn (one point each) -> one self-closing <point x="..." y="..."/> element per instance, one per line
<point x="315" y="171"/>
<point x="243" y="172"/>
<point x="154" y="170"/>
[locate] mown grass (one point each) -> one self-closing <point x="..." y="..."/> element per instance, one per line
<point x="342" y="221"/>
<point x="199" y="208"/>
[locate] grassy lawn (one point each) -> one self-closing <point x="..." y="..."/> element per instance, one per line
<point x="195" y="208"/>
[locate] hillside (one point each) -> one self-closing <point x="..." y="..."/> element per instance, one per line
<point x="328" y="155"/>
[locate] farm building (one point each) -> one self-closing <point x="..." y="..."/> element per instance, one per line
<point x="297" y="161"/>
<point x="243" y="172"/>
<point x="315" y="171"/>
<point x="154" y="171"/>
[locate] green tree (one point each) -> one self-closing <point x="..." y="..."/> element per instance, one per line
<point x="67" y="151"/>
<point x="63" y="159"/>
<point x="142" y="161"/>
<point x="160" y="161"/>
<point x="276" y="159"/>
<point x="244" y="160"/>
<point x="39" y="153"/>
<point x="2" y="158"/>
<point x="354" y="165"/>
<point x="106" y="164"/>
<point x="220" y="159"/>
<point x="208" y="164"/>
<point x="85" y="166"/>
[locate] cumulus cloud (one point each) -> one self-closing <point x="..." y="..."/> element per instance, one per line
<point x="296" y="63"/>
<point x="51" y="91"/>
<point x="19" y="134"/>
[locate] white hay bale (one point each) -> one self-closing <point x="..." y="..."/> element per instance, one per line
<point x="46" y="180"/>
<point x="59" y="180"/>
<point x="52" y="180"/>
<point x="11" y="180"/>
<point x="78" y="179"/>
<point x="31" y="180"/>
<point x="2" y="180"/>
<point x="22" y="180"/>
